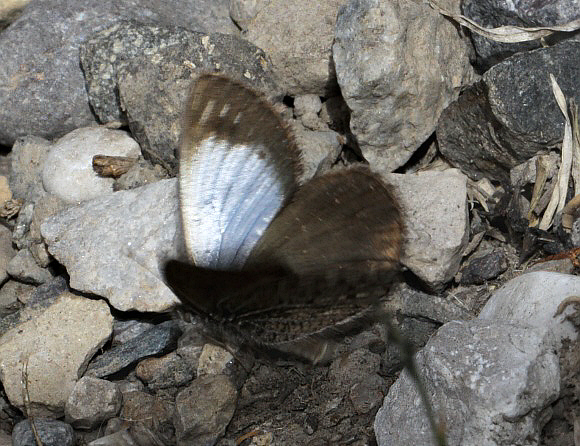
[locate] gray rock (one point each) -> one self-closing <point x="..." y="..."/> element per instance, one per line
<point x="297" y="36"/>
<point x="510" y="116"/>
<point x="113" y="246"/>
<point x="53" y="349"/>
<point x="176" y="369"/>
<point x="155" y="341"/>
<point x="124" y="331"/>
<point x="214" y="360"/>
<point x="5" y="439"/>
<point x="494" y="13"/>
<point x="28" y="155"/>
<point x="306" y="109"/>
<point x="435" y="213"/>
<point x="119" y="438"/>
<point x="467" y="133"/>
<point x="533" y="299"/>
<point x="484" y="268"/>
<point x="24" y="268"/>
<point x="91" y="402"/>
<point x="45" y="94"/>
<point x="204" y="409"/>
<point x="106" y="52"/>
<point x="50" y="432"/>
<point x="491" y="382"/>
<point x="244" y="11"/>
<point x="140" y="174"/>
<point x="128" y="65"/>
<point x="12" y="294"/>
<point x="7" y="252"/>
<point x="426" y="306"/>
<point x="148" y="417"/>
<point x="319" y="150"/>
<point x="521" y="97"/>
<point x="68" y="168"/>
<point x="367" y="394"/>
<point x="418" y="316"/>
<point x="34" y="298"/>
<point x="395" y="99"/>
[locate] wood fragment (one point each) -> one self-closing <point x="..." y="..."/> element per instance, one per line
<point x="112" y="166"/>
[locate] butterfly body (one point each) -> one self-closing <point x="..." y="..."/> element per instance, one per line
<point x="275" y="267"/>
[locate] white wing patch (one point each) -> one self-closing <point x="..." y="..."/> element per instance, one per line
<point x="229" y="195"/>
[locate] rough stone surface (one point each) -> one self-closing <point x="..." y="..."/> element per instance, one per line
<point x="244" y="11"/>
<point x="494" y="13"/>
<point x="50" y="432"/>
<point x="319" y="150"/>
<point x="483" y="268"/>
<point x="398" y="64"/>
<point x="113" y="246"/>
<point x="533" y="299"/>
<point x="28" y="155"/>
<point x="352" y="368"/>
<point x="175" y="369"/>
<point x="24" y="268"/>
<point x="68" y="168"/>
<point x="7" y="252"/>
<point x="12" y="294"/>
<point x="91" y="402"/>
<point x="140" y="174"/>
<point x="167" y="61"/>
<point x="106" y="52"/>
<point x="148" y="417"/>
<point x="521" y="97"/>
<point x="45" y="93"/>
<point x="300" y="48"/>
<point x="204" y="409"/>
<point x="214" y="360"/>
<point x="469" y="137"/>
<point x="53" y="349"/>
<point x="125" y="330"/>
<point x="478" y="374"/>
<point x="155" y="341"/>
<point x="434" y="206"/>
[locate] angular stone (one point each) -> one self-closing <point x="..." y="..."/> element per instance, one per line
<point x="490" y="382"/>
<point x="92" y="402"/>
<point x="50" y="351"/>
<point x="114" y="246"/>
<point x="398" y="64"/>
<point x="435" y="213"/>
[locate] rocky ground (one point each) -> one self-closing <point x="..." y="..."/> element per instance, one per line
<point x="468" y="132"/>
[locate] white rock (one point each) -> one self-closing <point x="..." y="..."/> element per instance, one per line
<point x="491" y="383"/>
<point x="47" y="353"/>
<point x="435" y="213"/>
<point x="68" y="168"/>
<point x="533" y="299"/>
<point x="113" y="246"/>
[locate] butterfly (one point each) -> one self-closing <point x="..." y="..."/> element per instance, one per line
<point x="275" y="268"/>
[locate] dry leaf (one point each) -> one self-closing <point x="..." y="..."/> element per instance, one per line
<point x="507" y="33"/>
<point x="558" y="199"/>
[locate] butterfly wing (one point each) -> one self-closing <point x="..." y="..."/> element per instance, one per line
<point x="272" y="265"/>
<point x="340" y="233"/>
<point x="238" y="166"/>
